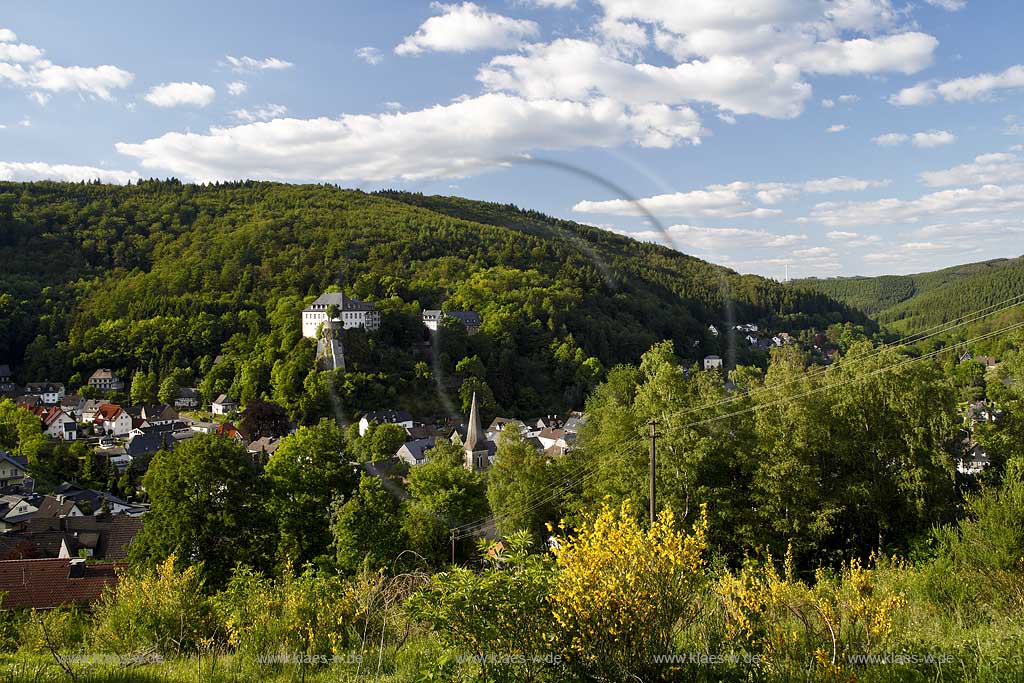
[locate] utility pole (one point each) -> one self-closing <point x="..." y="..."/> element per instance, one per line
<point x="452" y="534"/>
<point x="652" y="433"/>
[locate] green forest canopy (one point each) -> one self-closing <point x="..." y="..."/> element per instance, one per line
<point x="161" y="277"/>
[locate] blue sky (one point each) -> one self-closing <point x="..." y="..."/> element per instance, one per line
<point x="832" y="137"/>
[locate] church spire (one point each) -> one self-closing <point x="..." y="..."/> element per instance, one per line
<point x="474" y="430"/>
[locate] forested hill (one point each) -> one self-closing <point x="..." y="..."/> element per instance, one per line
<point x="911" y="303"/>
<point x="162" y="277"/>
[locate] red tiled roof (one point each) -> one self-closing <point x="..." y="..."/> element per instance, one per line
<point x="49" y="583"/>
<point x="107" y="411"/>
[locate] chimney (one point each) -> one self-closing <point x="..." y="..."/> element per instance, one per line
<point x="76" y="568"/>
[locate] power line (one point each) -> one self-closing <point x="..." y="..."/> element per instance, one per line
<point x="471" y="528"/>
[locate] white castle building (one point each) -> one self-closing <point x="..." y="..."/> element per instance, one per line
<point x="350" y="313"/>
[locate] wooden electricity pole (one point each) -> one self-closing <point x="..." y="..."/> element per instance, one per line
<point x="453" y="545"/>
<point x="652" y="433"/>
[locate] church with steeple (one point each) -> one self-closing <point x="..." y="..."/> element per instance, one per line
<point x="477" y="448"/>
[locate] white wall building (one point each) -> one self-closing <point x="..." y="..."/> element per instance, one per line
<point x="712" y="362"/>
<point x="351" y="313"/>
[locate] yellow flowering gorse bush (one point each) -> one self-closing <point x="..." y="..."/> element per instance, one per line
<point x="622" y="590"/>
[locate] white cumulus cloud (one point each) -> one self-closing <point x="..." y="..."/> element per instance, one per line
<point x="369" y="54"/>
<point x="994" y="168"/>
<point x="253" y="64"/>
<point x="454" y="140"/>
<point x="267" y="112"/>
<point x="177" y="94"/>
<point x="465" y="27"/>
<point x="27" y="172"/>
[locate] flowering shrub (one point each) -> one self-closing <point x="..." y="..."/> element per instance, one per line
<point x="162" y="610"/>
<point x="500" y="615"/>
<point x="793" y="627"/>
<point x="623" y="592"/>
<point x="309" y="613"/>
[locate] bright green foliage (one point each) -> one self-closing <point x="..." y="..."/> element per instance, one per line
<point x="502" y="610"/>
<point x="306" y="473"/>
<point x="367" y="529"/>
<point x="207" y="501"/>
<point x="382" y="441"/>
<point x="21" y="432"/>
<point x="443" y="495"/>
<point x="309" y="613"/>
<point x="519" y="472"/>
<point x="144" y="388"/>
<point x="837" y="463"/>
<point x="168" y="390"/>
<point x="162" y="610"/>
<point x="159" y="276"/>
<point x="911" y="303"/>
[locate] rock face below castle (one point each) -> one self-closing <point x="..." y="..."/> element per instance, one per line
<point x="330" y="354"/>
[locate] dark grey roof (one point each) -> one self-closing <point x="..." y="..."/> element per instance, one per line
<point x="17" y="460"/>
<point x="468" y="318"/>
<point x="343" y="303"/>
<point x="388" y="416"/>
<point x="144" y="444"/>
<point x="418" y="447"/>
<point x="43" y="387"/>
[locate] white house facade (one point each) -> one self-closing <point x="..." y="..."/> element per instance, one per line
<point x="351" y="313"/>
<point x="48" y="392"/>
<point x="712" y="362"/>
<point x="381" y="417"/>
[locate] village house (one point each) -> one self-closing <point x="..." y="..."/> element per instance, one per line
<point x="264" y="447"/>
<point x="712" y="362"/>
<point x="49" y="393"/>
<point x="980" y="411"/>
<point x="99" y="537"/>
<point x="499" y="423"/>
<point x="469" y="319"/>
<point x="713" y="330"/>
<point x="17" y="510"/>
<point x="89" y="410"/>
<point x="57" y="424"/>
<point x="223" y="405"/>
<point x="574" y="422"/>
<point x="113" y="420"/>
<point x="203" y="427"/>
<point x="397" y="417"/>
<point x="91" y="501"/>
<point x="414" y="452"/>
<point x="53" y="582"/>
<point x="105" y="380"/>
<point x="350" y="313"/>
<point x="13" y="470"/>
<point x="187" y="398"/>
<point x="72" y="404"/>
<point x="29" y="403"/>
<point x="6" y="380"/>
<point x="227" y="430"/>
<point x="556" y="441"/>
<point x="748" y="327"/>
<point x="974" y="459"/>
<point x="152" y="415"/>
